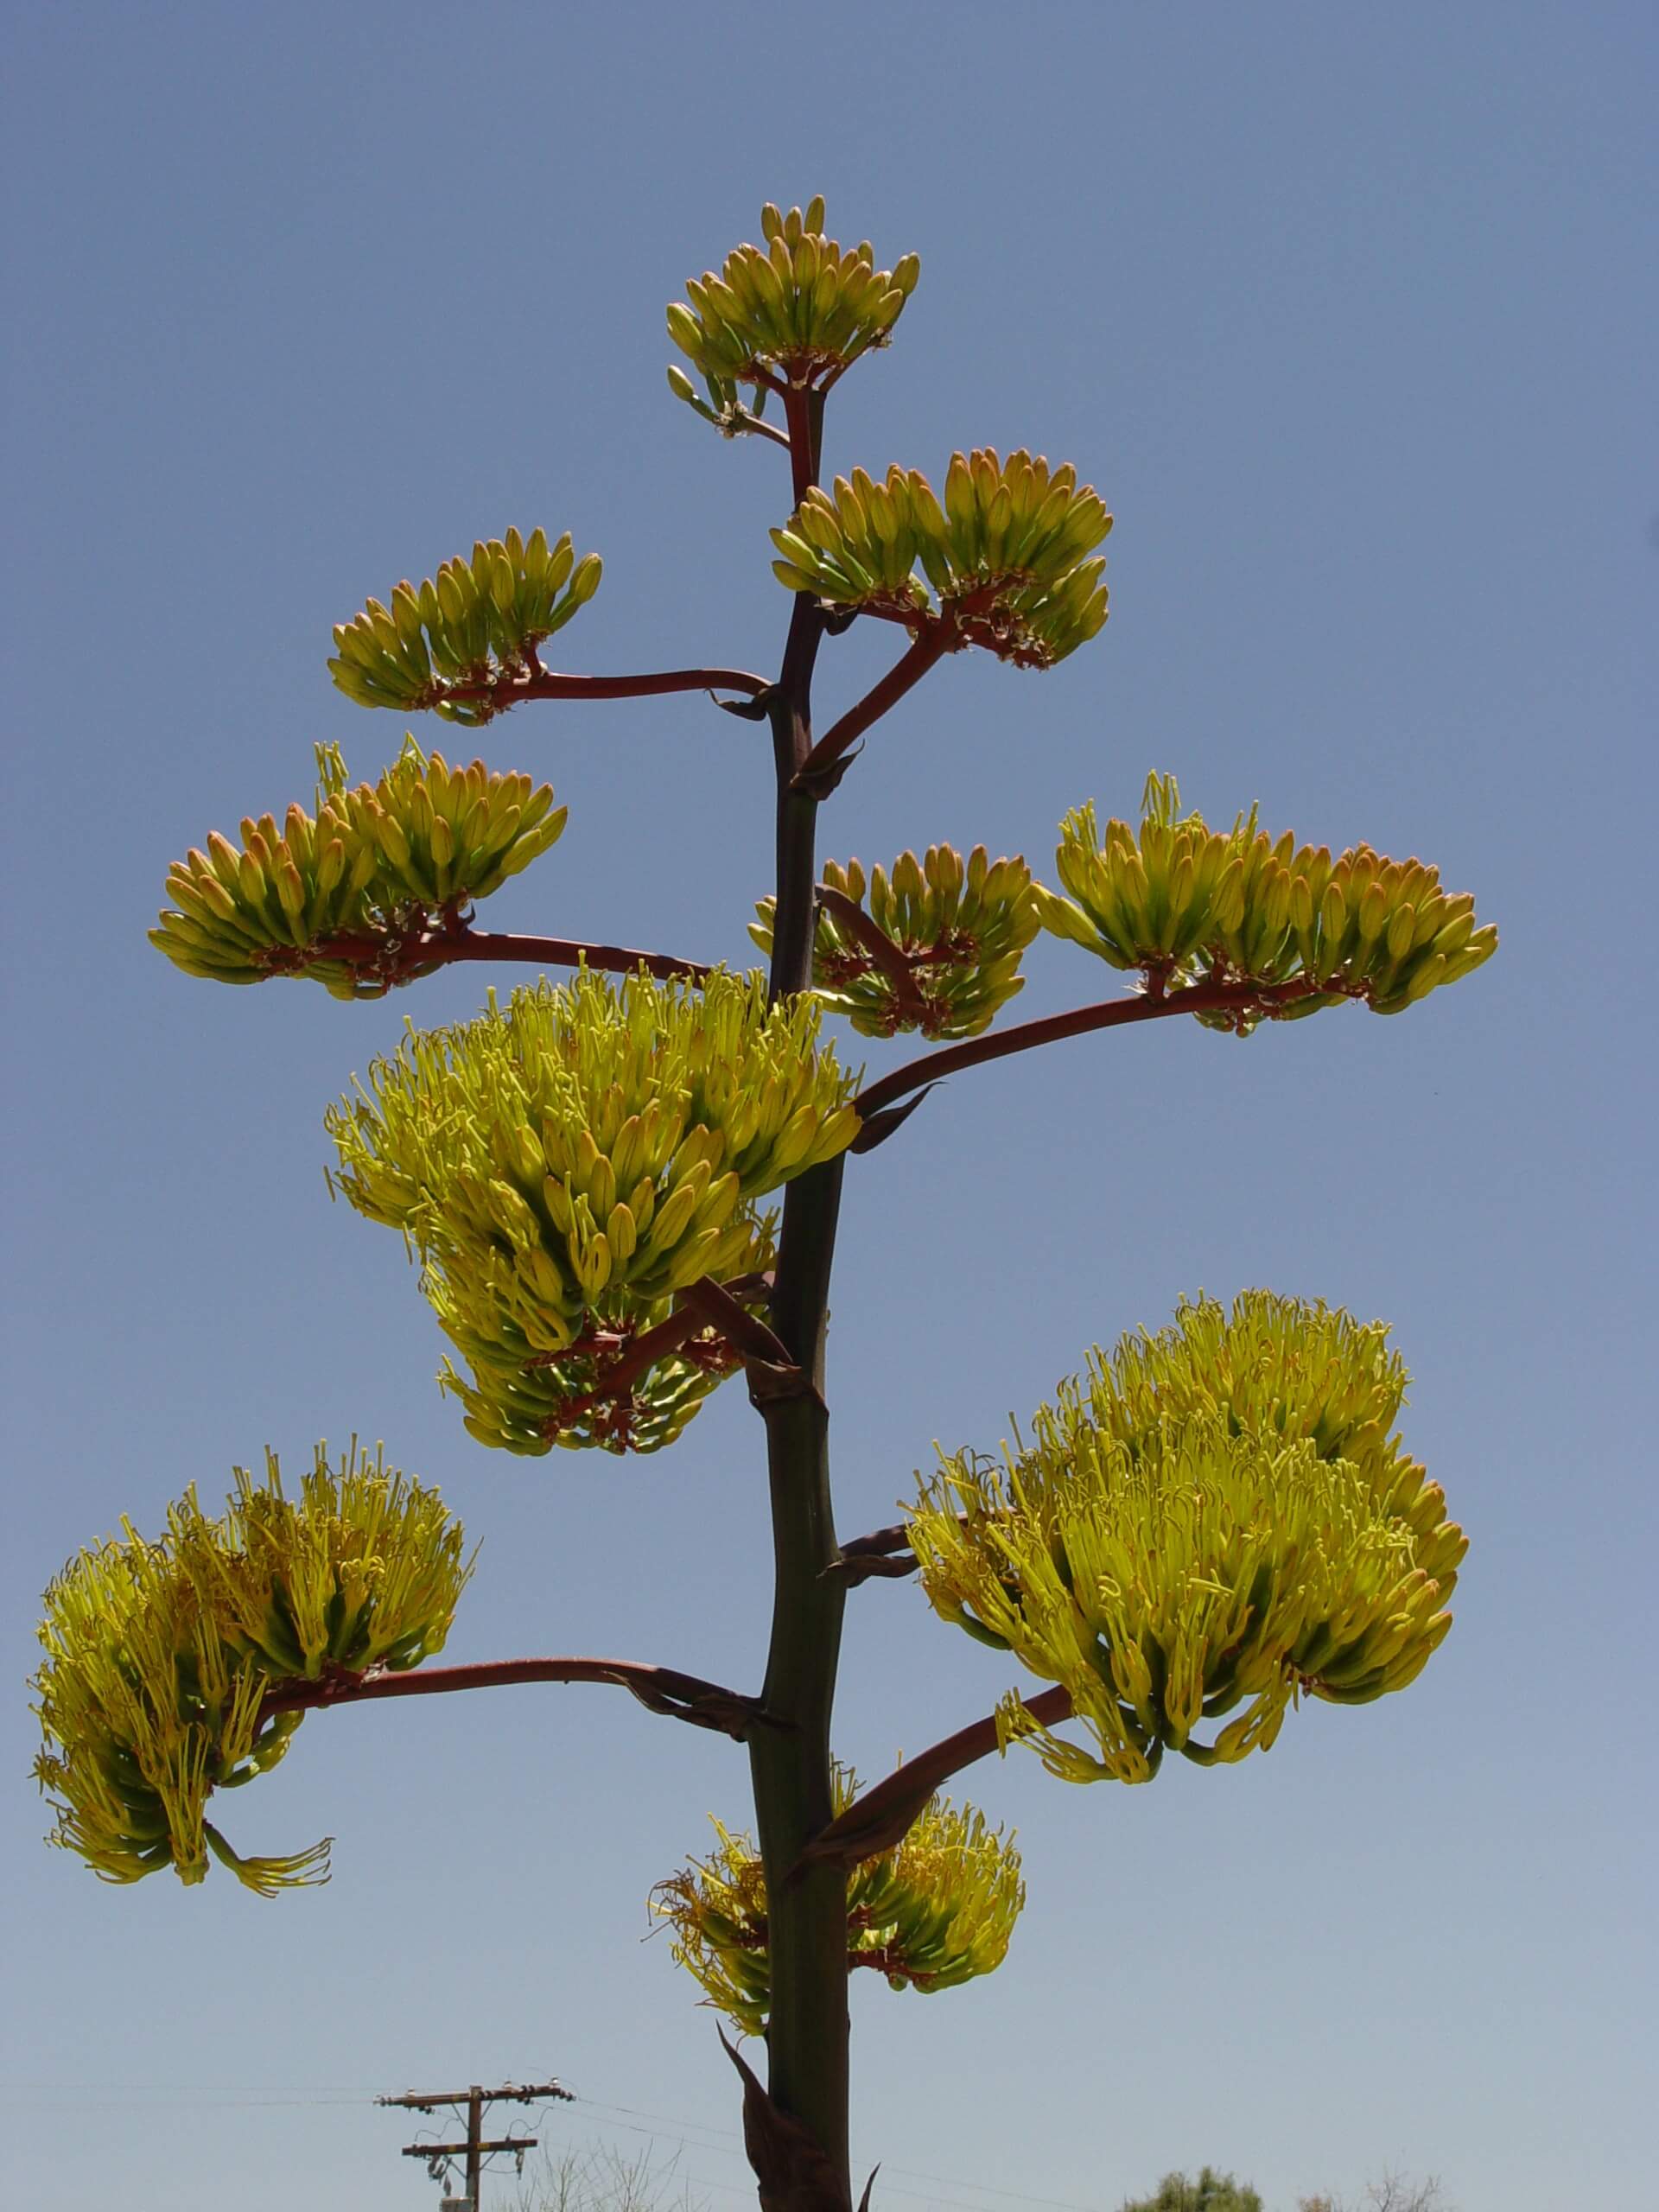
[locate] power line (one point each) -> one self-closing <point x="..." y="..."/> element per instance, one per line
<point x="688" y="2133"/>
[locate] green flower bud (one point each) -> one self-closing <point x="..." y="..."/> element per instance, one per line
<point x="453" y="642"/>
<point x="1005" y="553"/>
<point x="340" y="896"/>
<point x="798" y="312"/>
<point x="1184" y="904"/>
<point x="960" y="928"/>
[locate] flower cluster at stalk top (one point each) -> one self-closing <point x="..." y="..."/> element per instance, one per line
<point x="796" y="311"/>
<point x="1212" y="1520"/>
<point x="566" y="1165"/>
<point x="936" y="1911"/>
<point x="343" y="895"/>
<point x="1186" y="904"/>
<point x="1006" y="554"/>
<point x="959" y="927"/>
<point x="456" y="643"/>
<point x="160" y="1656"/>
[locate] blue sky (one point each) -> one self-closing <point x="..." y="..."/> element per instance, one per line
<point x="1350" y="316"/>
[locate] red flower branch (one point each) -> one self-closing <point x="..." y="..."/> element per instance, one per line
<point x="504" y="692"/>
<point x="1244" y="999"/>
<point x="391" y="959"/>
<point x="663" y="1689"/>
<point x="885" y="1816"/>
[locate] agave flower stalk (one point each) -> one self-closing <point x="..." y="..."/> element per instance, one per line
<point x="619" y="1193"/>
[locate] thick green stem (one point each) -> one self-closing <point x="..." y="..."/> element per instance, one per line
<point x="807" y="2038"/>
<point x="807" y="2034"/>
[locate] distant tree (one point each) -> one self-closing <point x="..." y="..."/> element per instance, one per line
<point x="1394" y="2193"/>
<point x="1210" y="2192"/>
<point x="604" y="2180"/>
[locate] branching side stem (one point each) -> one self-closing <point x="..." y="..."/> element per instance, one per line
<point x="545" y="683"/>
<point x="883" y="1816"/>
<point x="908" y="671"/>
<point x="889" y="956"/>
<point x="1197" y="998"/>
<point x="394" y="961"/>
<point x="663" y="1689"/>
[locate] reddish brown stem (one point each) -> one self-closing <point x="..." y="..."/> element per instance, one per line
<point x="803" y="418"/>
<point x="642" y="1352"/>
<point x="437" y="948"/>
<point x="885" y="1816"/>
<point x="508" y="691"/>
<point x="1197" y="998"/>
<point x="929" y="647"/>
<point x="688" y="1320"/>
<point x="888" y="958"/>
<point x="883" y="1552"/>
<point x="881" y="1544"/>
<point x="663" y="1689"/>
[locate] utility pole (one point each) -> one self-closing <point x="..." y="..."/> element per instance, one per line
<point x="475" y="2150"/>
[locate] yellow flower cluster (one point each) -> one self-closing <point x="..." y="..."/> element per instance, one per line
<point x="1184" y="904"/>
<point x="160" y="1656"/>
<point x="934" y="1911"/>
<point x="567" y="1165"/>
<point x="801" y="309"/>
<point x="375" y="867"/>
<point x="959" y="927"/>
<point x="1216" y="1516"/>
<point x="442" y="645"/>
<point x="1005" y="553"/>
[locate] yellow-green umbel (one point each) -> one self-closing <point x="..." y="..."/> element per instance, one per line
<point x="1183" y="903"/>
<point x="567" y="1165"/>
<point x="936" y="1911"/>
<point x="342" y="896"/>
<point x="160" y="1656"/>
<point x="1215" y="1517"/>
<point x="446" y="644"/>
<point x="959" y="929"/>
<point x="1006" y="553"/>
<point x="795" y="313"/>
